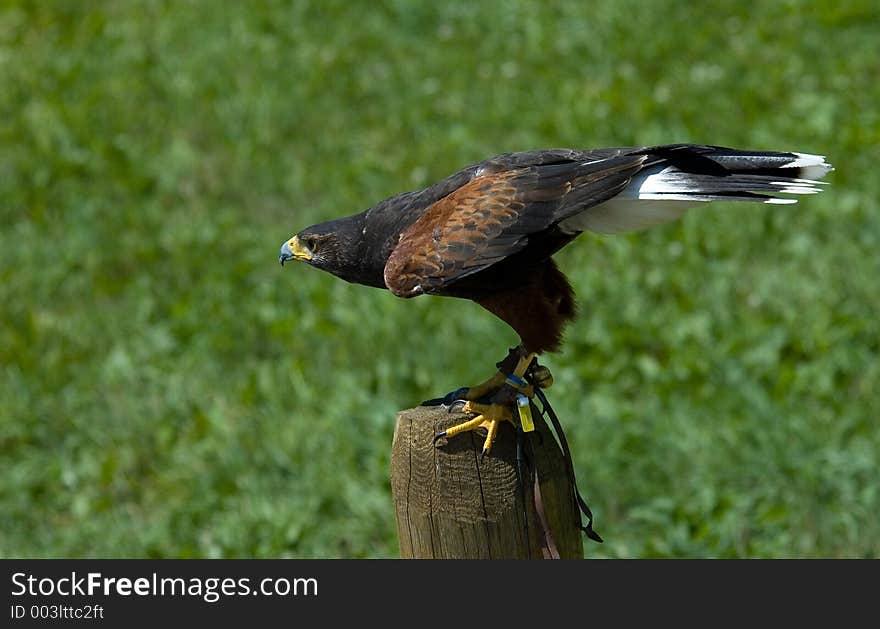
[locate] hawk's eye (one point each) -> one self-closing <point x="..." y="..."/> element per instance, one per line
<point x="312" y="244"/>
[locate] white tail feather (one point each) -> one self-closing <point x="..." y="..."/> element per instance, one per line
<point x="811" y="166"/>
<point x="664" y="193"/>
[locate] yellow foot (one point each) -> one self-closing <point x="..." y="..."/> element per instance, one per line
<point x="501" y="391"/>
<point x="501" y="377"/>
<point x="487" y="416"/>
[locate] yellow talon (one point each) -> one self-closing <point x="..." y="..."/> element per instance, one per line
<point x="488" y="415"/>
<point x="490" y="437"/>
<point x="471" y="424"/>
<point x="498" y="390"/>
<point x="489" y="412"/>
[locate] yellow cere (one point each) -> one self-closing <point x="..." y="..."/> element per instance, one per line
<point x="299" y="251"/>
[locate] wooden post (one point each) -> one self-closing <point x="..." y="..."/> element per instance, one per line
<point x="450" y="504"/>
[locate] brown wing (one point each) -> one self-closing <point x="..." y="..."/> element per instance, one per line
<point x="491" y="217"/>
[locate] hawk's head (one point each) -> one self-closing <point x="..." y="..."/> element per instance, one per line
<point x="336" y="247"/>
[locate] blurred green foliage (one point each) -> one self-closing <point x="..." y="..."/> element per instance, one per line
<point x="167" y="390"/>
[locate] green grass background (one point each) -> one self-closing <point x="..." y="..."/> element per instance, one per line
<point x="167" y="390"/>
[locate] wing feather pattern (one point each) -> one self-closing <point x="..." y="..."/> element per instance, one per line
<point x="492" y="216"/>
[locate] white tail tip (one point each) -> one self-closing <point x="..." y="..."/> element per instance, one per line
<point x="812" y="166"/>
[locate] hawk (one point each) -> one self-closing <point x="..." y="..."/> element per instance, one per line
<point x="488" y="233"/>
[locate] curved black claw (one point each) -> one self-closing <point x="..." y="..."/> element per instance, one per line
<point x="439" y="436"/>
<point x="447" y="400"/>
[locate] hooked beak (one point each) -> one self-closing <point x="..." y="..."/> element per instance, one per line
<point x="293" y="249"/>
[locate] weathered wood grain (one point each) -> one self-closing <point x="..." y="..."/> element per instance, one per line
<point x="450" y="503"/>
